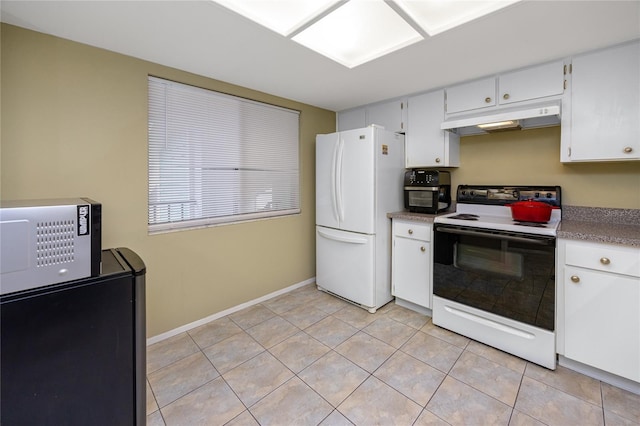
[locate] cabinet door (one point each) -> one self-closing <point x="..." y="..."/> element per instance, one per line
<point x="473" y="95"/>
<point x="411" y="269"/>
<point x="388" y="115"/>
<point x="605" y="105"/>
<point x="352" y="119"/>
<point x="426" y="145"/>
<point x="531" y="83"/>
<point x="602" y="321"/>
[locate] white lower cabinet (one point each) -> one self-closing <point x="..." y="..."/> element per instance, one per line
<point x="411" y="262"/>
<point x="599" y="306"/>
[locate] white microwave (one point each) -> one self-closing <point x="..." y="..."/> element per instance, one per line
<point x="45" y="242"/>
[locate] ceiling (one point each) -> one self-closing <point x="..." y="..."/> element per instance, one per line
<point x="204" y="38"/>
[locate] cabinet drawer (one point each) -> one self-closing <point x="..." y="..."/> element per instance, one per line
<point x="604" y="257"/>
<point x="413" y="230"/>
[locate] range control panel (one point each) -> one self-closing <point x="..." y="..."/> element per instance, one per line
<point x="503" y="195"/>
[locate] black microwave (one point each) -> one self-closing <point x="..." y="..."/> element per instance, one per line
<point x="427" y="191"/>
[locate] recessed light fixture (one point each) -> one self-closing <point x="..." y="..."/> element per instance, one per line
<point x="352" y="32"/>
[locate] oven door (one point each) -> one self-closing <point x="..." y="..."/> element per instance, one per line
<point x="508" y="274"/>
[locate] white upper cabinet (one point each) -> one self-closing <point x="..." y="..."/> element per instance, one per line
<point x="390" y="115"/>
<point x="471" y="96"/>
<point x="604" y="122"/>
<point x="531" y="83"/>
<point x="426" y="145"/>
<point x="527" y="84"/>
<point x="352" y="119"/>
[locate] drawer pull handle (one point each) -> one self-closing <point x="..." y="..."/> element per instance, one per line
<point x="423" y="249"/>
<point x="438" y="160"/>
<point x="410" y="231"/>
<point x="575" y="278"/>
<point x="605" y="260"/>
<point x="487" y="100"/>
<point x="628" y="150"/>
<point x="505" y="96"/>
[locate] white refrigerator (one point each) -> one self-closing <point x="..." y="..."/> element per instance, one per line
<point x="359" y="179"/>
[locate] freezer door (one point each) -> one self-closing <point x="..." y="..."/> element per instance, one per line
<point x="345" y="264"/>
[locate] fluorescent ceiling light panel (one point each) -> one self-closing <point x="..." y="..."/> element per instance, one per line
<point x="352" y="32"/>
<point x="281" y="16"/>
<point x="436" y="16"/>
<point x="357" y="32"/>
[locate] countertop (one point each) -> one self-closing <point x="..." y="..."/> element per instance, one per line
<point x="601" y="225"/>
<point x="594" y="224"/>
<point x="418" y="217"/>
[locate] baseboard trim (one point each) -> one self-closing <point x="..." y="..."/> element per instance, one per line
<point x="198" y="323"/>
<point x="612" y="379"/>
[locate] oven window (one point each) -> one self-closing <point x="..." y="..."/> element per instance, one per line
<point x="510" y="277"/>
<point x="422" y="198"/>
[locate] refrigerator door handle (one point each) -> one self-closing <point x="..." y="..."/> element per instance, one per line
<point x="344" y="239"/>
<point x="339" y="181"/>
<point x="334" y="181"/>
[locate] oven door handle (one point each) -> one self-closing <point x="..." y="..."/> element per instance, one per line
<point x="533" y="239"/>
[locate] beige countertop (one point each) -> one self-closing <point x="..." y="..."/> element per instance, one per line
<point x="418" y="217"/>
<point x="601" y="225"/>
<point x="599" y="232"/>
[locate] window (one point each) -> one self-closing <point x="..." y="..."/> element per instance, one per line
<point x="216" y="158"/>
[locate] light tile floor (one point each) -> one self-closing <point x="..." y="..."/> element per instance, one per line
<point x="308" y="358"/>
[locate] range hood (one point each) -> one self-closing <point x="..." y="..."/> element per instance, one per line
<point x="505" y="119"/>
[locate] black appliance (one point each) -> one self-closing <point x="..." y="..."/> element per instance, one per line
<point x="74" y="353"/>
<point x="427" y="191"/>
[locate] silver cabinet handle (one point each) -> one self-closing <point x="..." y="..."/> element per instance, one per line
<point x="410" y="231"/>
<point x="438" y="160"/>
<point x="505" y="96"/>
<point x="575" y="278"/>
<point x="487" y="100"/>
<point x="423" y="249"/>
<point x="628" y="150"/>
<point x="605" y="260"/>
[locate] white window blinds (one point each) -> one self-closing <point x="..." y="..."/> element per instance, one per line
<point x="217" y="158"/>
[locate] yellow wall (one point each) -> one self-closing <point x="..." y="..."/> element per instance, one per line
<point x="74" y="123"/>
<point x="532" y="156"/>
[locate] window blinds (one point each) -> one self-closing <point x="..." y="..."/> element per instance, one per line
<point x="217" y="158"/>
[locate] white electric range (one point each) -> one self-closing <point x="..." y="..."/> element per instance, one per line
<point x="493" y="277"/>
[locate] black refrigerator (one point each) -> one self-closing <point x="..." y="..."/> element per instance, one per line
<point x="74" y="353"/>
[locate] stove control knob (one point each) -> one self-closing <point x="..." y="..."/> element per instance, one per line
<point x="549" y="195"/>
<point x="536" y="195"/>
